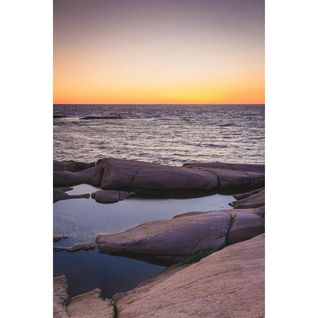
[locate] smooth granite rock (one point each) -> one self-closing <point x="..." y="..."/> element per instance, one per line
<point x="67" y="178"/>
<point x="181" y="237"/>
<point x="59" y="194"/>
<point x="226" y="284"/>
<point x="253" y="201"/>
<point x="240" y="196"/>
<point x="109" y="196"/>
<point x="234" y="179"/>
<point x="130" y="175"/>
<point x="71" y="165"/>
<point x="88" y="305"/>
<point x="75" y="248"/>
<point x="259" y="168"/>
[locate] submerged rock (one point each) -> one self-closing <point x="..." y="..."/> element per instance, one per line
<point x="59" y="194"/>
<point x="88" y="305"/>
<point x="101" y="117"/>
<point x="75" y="248"/>
<point x="228" y="283"/>
<point x="68" y="178"/>
<point x="59" y="238"/>
<point x="71" y="165"/>
<point x="178" y="238"/>
<point x="109" y="196"/>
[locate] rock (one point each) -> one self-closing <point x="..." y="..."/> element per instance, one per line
<point x="253" y="201"/>
<point x="230" y="179"/>
<point x="59" y="195"/>
<point x="244" y="226"/>
<point x="131" y="175"/>
<point x="259" y="168"/>
<point x="88" y="305"/>
<point x="228" y="283"/>
<point x="55" y="116"/>
<point x="109" y="196"/>
<point x="75" y="248"/>
<point x="240" y="196"/>
<point x="68" y="178"/>
<point x="101" y="117"/>
<point x="60" y="297"/>
<point x="71" y="165"/>
<point x="178" y="238"/>
<point x="58" y="238"/>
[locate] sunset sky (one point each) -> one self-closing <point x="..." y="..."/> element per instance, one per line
<point x="158" y="51"/>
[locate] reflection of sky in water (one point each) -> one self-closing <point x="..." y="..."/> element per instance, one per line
<point x="88" y="270"/>
<point x="82" y="219"/>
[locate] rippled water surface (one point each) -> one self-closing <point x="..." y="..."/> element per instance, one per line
<point x="169" y="134"/>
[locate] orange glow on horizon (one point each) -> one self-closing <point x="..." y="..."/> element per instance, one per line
<point x="110" y="52"/>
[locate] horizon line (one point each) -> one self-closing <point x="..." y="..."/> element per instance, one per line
<point x="260" y="104"/>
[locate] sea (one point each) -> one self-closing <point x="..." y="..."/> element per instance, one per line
<point x="167" y="134"/>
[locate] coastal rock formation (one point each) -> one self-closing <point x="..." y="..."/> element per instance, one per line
<point x="178" y="238"/>
<point x="88" y="305"/>
<point x="59" y="194"/>
<point x="253" y="201"/>
<point x="228" y="283"/>
<point x="75" y="248"/>
<point x="240" y="196"/>
<point x="135" y="175"/>
<point x="157" y="180"/>
<point x="71" y="165"/>
<point x="109" y="196"/>
<point x="130" y="175"/>
<point x="68" y="178"/>
<point x="229" y="166"/>
<point x="230" y="177"/>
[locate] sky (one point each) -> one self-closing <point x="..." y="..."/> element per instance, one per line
<point x="158" y="51"/>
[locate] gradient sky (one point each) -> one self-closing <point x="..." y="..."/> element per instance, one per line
<point x="158" y="51"/>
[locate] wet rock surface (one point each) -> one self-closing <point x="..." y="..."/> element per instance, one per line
<point x="88" y="305"/>
<point x="109" y="196"/>
<point x="228" y="283"/>
<point x="180" y="237"/>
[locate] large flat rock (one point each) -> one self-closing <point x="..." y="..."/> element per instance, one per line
<point x="178" y="238"/>
<point x="67" y="178"/>
<point x="88" y="305"/>
<point x="226" y="284"/>
<point x="130" y="175"/>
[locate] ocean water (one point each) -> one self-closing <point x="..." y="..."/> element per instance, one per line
<point x="168" y="134"/>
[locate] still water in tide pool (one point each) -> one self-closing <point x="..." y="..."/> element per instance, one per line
<point x="168" y="134"/>
<point x="82" y="219"/>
